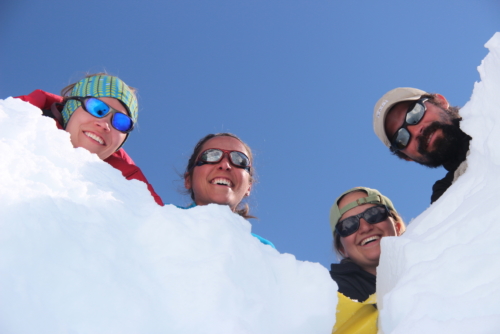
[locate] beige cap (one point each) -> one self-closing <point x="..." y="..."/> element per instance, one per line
<point x="385" y="104"/>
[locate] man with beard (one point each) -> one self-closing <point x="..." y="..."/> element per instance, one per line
<point x="422" y="127"/>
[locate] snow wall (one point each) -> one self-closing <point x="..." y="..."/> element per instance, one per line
<point x="443" y="274"/>
<point x="82" y="250"/>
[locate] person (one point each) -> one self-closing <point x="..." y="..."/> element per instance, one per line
<point x="423" y="127"/>
<point x="359" y="219"/>
<point x="98" y="112"/>
<point x="220" y="170"/>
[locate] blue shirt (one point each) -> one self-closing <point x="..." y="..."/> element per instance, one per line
<point x="261" y="239"/>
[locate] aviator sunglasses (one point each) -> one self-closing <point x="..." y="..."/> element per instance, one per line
<point x="99" y="109"/>
<point x="373" y="215"/>
<point x="214" y="155"/>
<point x="414" y="115"/>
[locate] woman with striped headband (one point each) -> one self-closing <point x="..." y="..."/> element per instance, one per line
<point x="99" y="112"/>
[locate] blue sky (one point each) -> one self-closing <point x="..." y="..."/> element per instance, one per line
<point x="297" y="80"/>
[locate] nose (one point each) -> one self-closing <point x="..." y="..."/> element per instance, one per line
<point x="104" y="123"/>
<point x="225" y="163"/>
<point x="415" y="130"/>
<point x="364" y="226"/>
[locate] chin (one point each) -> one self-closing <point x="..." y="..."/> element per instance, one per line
<point x="220" y="202"/>
<point x="374" y="255"/>
<point x="101" y="155"/>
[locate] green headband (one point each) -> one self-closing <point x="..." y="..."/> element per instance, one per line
<point x="373" y="197"/>
<point x="101" y="86"/>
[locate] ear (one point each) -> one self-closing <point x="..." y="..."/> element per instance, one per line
<point x="441" y="100"/>
<point x="187" y="181"/>
<point x="399" y="228"/>
<point x="249" y="190"/>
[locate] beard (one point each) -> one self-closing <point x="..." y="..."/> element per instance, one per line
<point x="448" y="149"/>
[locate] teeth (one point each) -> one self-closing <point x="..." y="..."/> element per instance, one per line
<point x="95" y="137"/>
<point x="221" y="181"/>
<point x="367" y="240"/>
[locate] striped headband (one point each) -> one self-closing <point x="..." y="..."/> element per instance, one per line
<point x="101" y="86"/>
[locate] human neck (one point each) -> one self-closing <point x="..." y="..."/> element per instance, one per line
<point x="371" y="270"/>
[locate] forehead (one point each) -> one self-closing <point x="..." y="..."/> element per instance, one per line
<point x="395" y="117"/>
<point x="351" y="197"/>
<point x="225" y="143"/>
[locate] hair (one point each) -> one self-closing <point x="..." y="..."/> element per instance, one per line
<point x="336" y="237"/>
<point x="451" y="111"/>
<point x="242" y="209"/>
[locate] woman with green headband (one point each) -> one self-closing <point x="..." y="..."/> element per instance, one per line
<point x="99" y="112"/>
<point x="359" y="219"/>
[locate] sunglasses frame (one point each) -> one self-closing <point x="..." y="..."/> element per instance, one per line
<point x="200" y="162"/>
<point x="111" y="111"/>
<point x="420" y="101"/>
<point x="359" y="216"/>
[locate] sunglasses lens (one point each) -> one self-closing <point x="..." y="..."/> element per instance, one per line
<point x="401" y="139"/>
<point x="96" y="107"/>
<point x="122" y="122"/>
<point x="347" y="226"/>
<point x="211" y="155"/>
<point x="375" y="215"/>
<point x="372" y="215"/>
<point x="239" y="159"/>
<point x="415" y="115"/>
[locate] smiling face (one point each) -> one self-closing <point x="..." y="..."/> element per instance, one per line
<point x="431" y="138"/>
<point x="363" y="246"/>
<point x="222" y="182"/>
<point x="96" y="134"/>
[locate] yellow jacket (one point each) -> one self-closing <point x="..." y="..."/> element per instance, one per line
<point x="354" y="317"/>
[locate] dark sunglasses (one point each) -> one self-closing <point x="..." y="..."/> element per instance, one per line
<point x="99" y="109"/>
<point x="414" y="115"/>
<point x="373" y="215"/>
<point x="214" y="155"/>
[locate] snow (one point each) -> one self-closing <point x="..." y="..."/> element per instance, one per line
<point x="82" y="250"/>
<point x="443" y="275"/>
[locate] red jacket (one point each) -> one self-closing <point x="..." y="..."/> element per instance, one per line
<point x="119" y="160"/>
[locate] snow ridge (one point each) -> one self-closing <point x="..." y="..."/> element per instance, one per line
<point x="82" y="250"/>
<point x="442" y="275"/>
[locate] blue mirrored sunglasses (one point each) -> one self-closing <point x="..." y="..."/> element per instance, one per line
<point x="99" y="109"/>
